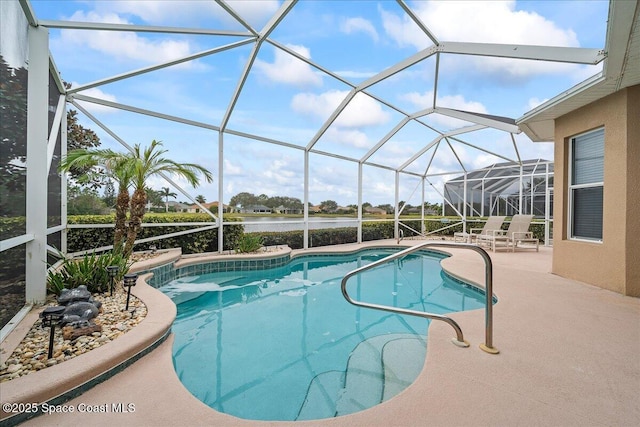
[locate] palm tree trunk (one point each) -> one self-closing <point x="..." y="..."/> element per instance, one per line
<point x="138" y="202"/>
<point x="122" y="205"/>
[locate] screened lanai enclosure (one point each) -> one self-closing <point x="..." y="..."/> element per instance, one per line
<point x="506" y="189"/>
<point x="359" y="102"/>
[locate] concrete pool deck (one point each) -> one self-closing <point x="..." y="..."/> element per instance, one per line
<point x="569" y="355"/>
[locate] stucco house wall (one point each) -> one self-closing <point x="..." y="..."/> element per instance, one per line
<point x="613" y="264"/>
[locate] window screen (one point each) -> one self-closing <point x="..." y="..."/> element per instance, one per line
<point x="587" y="187"/>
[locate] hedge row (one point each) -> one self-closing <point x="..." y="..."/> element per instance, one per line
<point x="80" y="239"/>
<point x="372" y="231"/>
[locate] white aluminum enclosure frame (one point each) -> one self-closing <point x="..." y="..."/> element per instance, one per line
<point x="39" y="140"/>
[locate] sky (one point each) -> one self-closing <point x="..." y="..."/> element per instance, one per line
<point x="288" y="100"/>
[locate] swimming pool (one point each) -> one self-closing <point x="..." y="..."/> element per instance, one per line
<point x="283" y="344"/>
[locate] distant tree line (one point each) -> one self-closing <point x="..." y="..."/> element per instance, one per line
<point x="245" y="200"/>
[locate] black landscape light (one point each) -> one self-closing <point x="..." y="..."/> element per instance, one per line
<point x="51" y="316"/>
<point x="113" y="272"/>
<point x="129" y="281"/>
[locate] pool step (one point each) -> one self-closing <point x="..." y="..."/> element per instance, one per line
<point x="399" y="373"/>
<point x="378" y="369"/>
<point x="321" y="396"/>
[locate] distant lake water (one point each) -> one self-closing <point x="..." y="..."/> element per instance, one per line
<point x="259" y="223"/>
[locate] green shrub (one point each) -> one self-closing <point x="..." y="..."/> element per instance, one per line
<point x="12" y="226"/>
<point x="90" y="270"/>
<point x="293" y="239"/>
<point x="81" y="239"/>
<point x="248" y="243"/>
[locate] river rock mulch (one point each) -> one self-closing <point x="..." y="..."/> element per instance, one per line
<point x="31" y="355"/>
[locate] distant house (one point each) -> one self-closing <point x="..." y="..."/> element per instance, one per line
<point x="212" y="206"/>
<point x="178" y="207"/>
<point x="285" y="210"/>
<point x="431" y="212"/>
<point x="256" y="209"/>
<point x="418" y="210"/>
<point x="375" y="211"/>
<point x="343" y="209"/>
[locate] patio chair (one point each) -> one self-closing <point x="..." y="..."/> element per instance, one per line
<point x="492" y="223"/>
<point x="518" y="232"/>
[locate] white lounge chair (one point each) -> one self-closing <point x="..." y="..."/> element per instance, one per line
<point x="492" y="223"/>
<point x="518" y="232"/>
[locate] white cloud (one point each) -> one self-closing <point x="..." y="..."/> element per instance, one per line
<point x="124" y="45"/>
<point x="288" y="69"/>
<point x="94" y="92"/>
<point x="484" y="22"/>
<point x="348" y="74"/>
<point x="403" y="30"/>
<point x="458" y="102"/>
<point x="359" y="25"/>
<point x="361" y="111"/>
<point x="489" y="22"/>
<point x="278" y="177"/>
<point x="231" y="169"/>
<point x="425" y="100"/>
<point x="534" y="102"/>
<point x="351" y="137"/>
<point x="255" y="12"/>
<point x="322" y="190"/>
<point x="480" y="160"/>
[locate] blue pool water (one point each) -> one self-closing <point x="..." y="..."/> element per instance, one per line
<point x="283" y="344"/>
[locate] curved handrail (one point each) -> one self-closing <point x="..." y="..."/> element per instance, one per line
<point x="459" y="340"/>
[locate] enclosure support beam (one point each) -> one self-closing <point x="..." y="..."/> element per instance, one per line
<point x="547" y="207"/>
<point x="359" y="238"/>
<point x="521" y="187"/>
<point x="220" y="192"/>
<point x="63" y="185"/>
<point x="422" y="208"/>
<point x="36" y="188"/>
<point x="396" y="215"/>
<point x="482" y="198"/>
<point x="464" y="205"/>
<point x="305" y="238"/>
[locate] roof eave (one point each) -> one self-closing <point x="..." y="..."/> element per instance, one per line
<point x="538" y="123"/>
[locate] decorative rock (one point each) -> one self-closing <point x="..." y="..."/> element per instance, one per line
<point x="79" y="311"/>
<point x="72" y="295"/>
<point x="32" y="352"/>
<point x="14" y="368"/>
<point x="70" y="333"/>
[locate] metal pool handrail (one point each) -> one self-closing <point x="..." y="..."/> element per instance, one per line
<point x="459" y="340"/>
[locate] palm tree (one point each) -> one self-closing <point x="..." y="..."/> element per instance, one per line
<point x="114" y="165"/>
<point x="200" y="198"/>
<point x="144" y="164"/>
<point x="166" y="193"/>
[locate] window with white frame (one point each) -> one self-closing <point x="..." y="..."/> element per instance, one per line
<point x="586" y="185"/>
